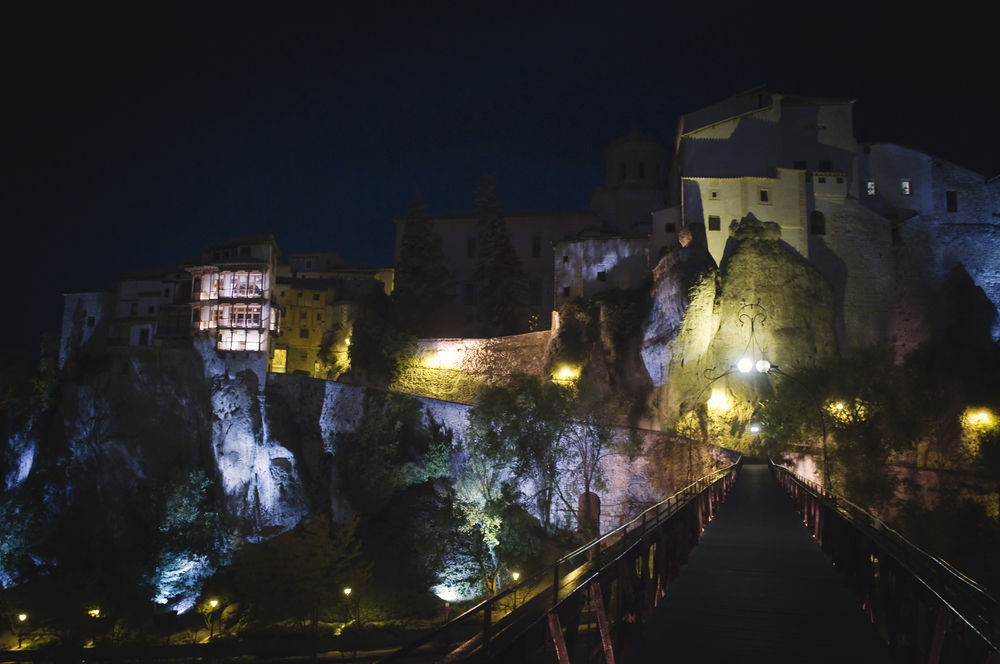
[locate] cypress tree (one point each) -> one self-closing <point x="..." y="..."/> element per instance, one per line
<point x="424" y="294"/>
<point x="501" y="283"/>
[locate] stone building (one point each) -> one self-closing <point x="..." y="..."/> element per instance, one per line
<point x="880" y="222"/>
<point x="634" y="186"/>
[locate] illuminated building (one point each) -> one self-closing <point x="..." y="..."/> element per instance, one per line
<point x="231" y="294"/>
<point x="882" y="223"/>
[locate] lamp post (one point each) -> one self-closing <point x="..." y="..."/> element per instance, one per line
<point x="515" y="576"/>
<point x="22" y="618"/>
<point x="213" y="605"/>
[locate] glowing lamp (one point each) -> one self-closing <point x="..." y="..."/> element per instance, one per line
<point x="347" y="341"/>
<point x="567" y="372"/>
<point x="745" y="365"/>
<point x="347" y="591"/>
<point x="213" y="603"/>
<point x="754" y="428"/>
<point x="763" y="366"/>
<point x="22" y="617"/>
<point x="839" y="405"/>
<point x="515" y="576"/>
<point x="94" y="613"/>
<point x="982" y="417"/>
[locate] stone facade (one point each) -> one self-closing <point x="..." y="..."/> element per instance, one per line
<point x="586" y="266"/>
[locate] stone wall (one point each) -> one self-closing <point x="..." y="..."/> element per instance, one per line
<point x="454" y="369"/>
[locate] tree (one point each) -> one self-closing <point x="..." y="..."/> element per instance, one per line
<point x="424" y="292"/>
<point x="379" y="349"/>
<point x="588" y="438"/>
<point x="519" y="425"/>
<point x="502" y="286"/>
<point x="392" y="449"/>
<point x="298" y="573"/>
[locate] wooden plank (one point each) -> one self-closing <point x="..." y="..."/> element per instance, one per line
<point x="597" y="600"/>
<point x="555" y="629"/>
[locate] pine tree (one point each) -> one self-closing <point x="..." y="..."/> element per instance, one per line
<point x="501" y="283"/>
<point x="425" y="289"/>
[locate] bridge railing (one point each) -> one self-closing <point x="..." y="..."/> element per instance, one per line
<point x="925" y="609"/>
<point x="590" y="599"/>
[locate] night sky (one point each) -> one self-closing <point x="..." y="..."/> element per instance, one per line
<point x="136" y="134"/>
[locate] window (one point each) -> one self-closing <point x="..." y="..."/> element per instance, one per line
<point x="714" y="223"/>
<point x="840" y="180"/>
<point x="470" y="247"/>
<point x="91" y="321"/>
<point x="316" y="296"/>
<point x="905" y="187"/>
<point x="670" y="228"/>
<point x="714" y="194"/>
<point x="602" y="276"/>
<point x="817" y="223"/>
<point x="870" y="188"/>
<point x="282" y="293"/>
<point x="196" y="316"/>
<point x="302" y="315"/>
<point x="536" y="245"/>
<point x="133" y="309"/>
<point x="565" y="258"/>
<point x="309" y="265"/>
<point x="765" y="196"/>
<point x="821" y="180"/>
<point x="565" y="291"/>
<point x="150" y="310"/>
<point x="144" y="337"/>
<point x="951" y="200"/>
<point x="299" y="295"/>
<point x="825" y="165"/>
<point x="319" y="316"/>
<point x="303" y="332"/>
<point x="799" y="164"/>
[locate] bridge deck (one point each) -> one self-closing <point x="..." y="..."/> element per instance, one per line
<point x="758" y="588"/>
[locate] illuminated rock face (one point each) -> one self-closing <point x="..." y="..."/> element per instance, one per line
<point x="258" y="475"/>
<point x="762" y="287"/>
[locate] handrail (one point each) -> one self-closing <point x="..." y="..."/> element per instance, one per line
<point x="911" y="557"/>
<point x="602" y="546"/>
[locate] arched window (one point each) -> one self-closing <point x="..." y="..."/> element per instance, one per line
<point x="817" y="223"/>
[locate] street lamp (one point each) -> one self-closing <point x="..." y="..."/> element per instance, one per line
<point x="21" y="619"/>
<point x="515" y="576"/>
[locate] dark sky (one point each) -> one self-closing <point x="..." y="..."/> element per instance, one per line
<point x="135" y="134"/>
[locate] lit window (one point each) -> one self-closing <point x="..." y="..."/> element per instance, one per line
<point x="714" y="223"/>
<point x="905" y="186"/>
<point x="951" y="200"/>
<point x="765" y="196"/>
<point x="870" y="188"/>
